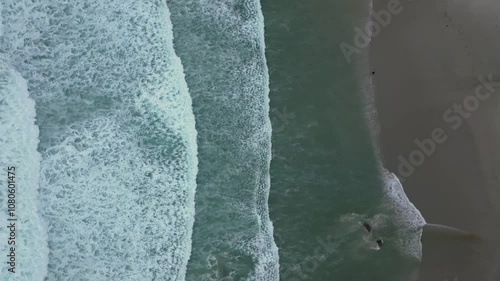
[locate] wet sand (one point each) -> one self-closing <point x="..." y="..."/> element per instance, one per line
<point x="426" y="60"/>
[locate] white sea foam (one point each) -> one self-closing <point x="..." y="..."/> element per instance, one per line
<point x="222" y="46"/>
<point x="267" y="267"/>
<point x="409" y="221"/>
<point x="117" y="135"/>
<point x="128" y="206"/>
<point x="19" y="140"/>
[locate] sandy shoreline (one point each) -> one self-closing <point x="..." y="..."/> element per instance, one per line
<point x="427" y="61"/>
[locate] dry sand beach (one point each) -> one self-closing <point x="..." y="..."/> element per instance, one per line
<point x="440" y="125"/>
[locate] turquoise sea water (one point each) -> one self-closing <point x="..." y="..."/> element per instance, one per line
<point x="195" y="140"/>
<point x="222" y="48"/>
<point x="326" y="179"/>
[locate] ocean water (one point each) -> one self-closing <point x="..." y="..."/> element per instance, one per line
<point x="222" y="48"/>
<point x="327" y="177"/>
<point x="196" y="140"/>
<point x="117" y="137"/>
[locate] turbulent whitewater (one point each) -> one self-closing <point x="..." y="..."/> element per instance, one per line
<point x="19" y="140"/>
<point x="117" y="138"/>
<point x="221" y="45"/>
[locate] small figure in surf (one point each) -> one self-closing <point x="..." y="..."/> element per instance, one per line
<point x="368" y="228"/>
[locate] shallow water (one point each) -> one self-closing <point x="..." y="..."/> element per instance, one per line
<point x="325" y="174"/>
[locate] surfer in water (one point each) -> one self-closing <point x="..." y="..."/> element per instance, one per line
<point x="368" y="228"/>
